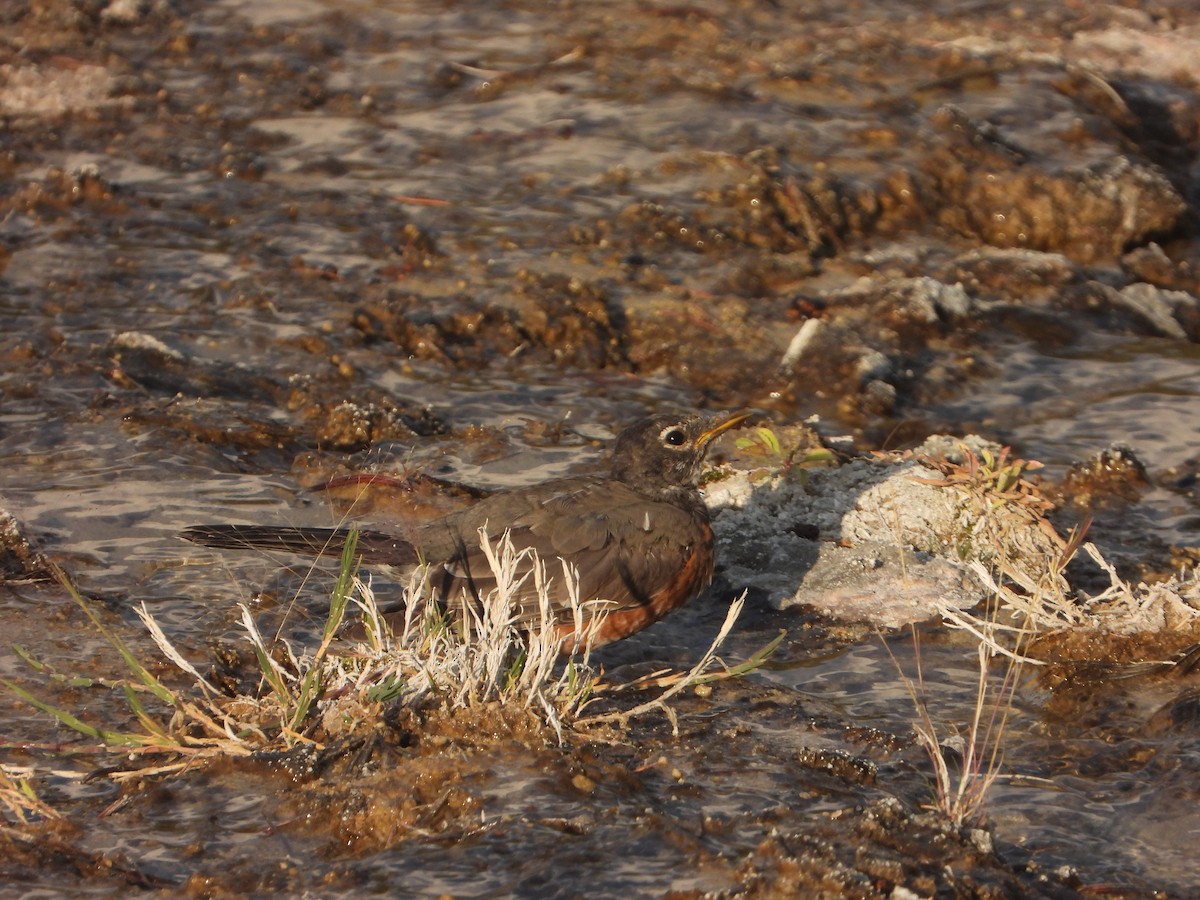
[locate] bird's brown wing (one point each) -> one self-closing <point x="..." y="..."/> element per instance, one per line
<point x="624" y="547"/>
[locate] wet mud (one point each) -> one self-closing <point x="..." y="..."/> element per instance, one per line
<point x="276" y="262"/>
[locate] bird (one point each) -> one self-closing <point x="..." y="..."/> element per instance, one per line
<point x="638" y="537"/>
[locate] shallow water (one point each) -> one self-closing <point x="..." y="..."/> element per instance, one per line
<point x="1062" y="406"/>
<point x="1068" y="790"/>
<point x="250" y="211"/>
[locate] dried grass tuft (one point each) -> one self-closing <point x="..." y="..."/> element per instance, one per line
<point x="486" y="655"/>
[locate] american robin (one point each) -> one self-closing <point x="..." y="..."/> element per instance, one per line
<point x="639" y="537"/>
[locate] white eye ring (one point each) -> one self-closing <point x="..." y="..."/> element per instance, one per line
<point x="673" y="436"/>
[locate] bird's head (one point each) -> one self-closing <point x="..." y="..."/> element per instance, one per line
<point x="663" y="453"/>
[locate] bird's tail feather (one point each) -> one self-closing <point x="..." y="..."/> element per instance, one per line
<point x="373" y="546"/>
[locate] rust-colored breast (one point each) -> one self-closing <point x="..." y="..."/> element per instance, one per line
<point x="692" y="577"/>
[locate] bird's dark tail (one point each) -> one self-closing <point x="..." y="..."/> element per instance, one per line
<point x="375" y="548"/>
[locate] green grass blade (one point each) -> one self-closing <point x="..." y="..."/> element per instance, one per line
<point x="762" y="655"/>
<point x="44" y="669"/>
<point x="310" y="690"/>
<point x="143" y="675"/>
<point x="32" y="661"/>
<point x="339" y="600"/>
<point x="270" y="669"/>
<point x="153" y="728"/>
<point x="755" y="661"/>
<point x="267" y="666"/>
<point x="78" y="681"/>
<point x="513" y="673"/>
<point x="386" y="690"/>
<point x="770" y="440"/>
<point x="112" y="738"/>
<point x="818" y="456"/>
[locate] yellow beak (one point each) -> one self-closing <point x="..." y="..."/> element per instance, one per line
<point x="722" y="426"/>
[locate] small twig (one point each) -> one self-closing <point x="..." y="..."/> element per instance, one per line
<point x="660" y="702"/>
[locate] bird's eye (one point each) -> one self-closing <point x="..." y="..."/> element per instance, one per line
<point x="674" y="436"/>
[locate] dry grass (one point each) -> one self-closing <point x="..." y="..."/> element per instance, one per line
<point x="1029" y="597"/>
<point x="1026" y="595"/>
<point x="966" y="761"/>
<point x="17" y="798"/>
<point x="674" y="683"/>
<point x="430" y="660"/>
<point x="486" y="655"/>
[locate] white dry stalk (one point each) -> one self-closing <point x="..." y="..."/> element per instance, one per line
<point x="542" y="644"/>
<point x="496" y="617"/>
<point x="372" y="621"/>
<point x="1045" y="606"/>
<point x="660" y="702"/>
<point x="414" y="610"/>
<point x="474" y="662"/>
<point x="19" y="797"/>
<point x="256" y="639"/>
<point x="984" y="631"/>
<point x="1118" y="589"/>
<point x="962" y="801"/>
<point x="1041" y="606"/>
<point x="587" y="617"/>
<point x="168" y="649"/>
<point x="980" y="750"/>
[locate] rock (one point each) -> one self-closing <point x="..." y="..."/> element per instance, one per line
<point x="1012" y="271"/>
<point x="1112" y="477"/>
<point x="130" y="12"/>
<point x="874" y="340"/>
<point x="1161" y="309"/>
<point x="544" y="317"/>
<point x="48" y="92"/>
<point x="145" y="360"/>
<point x="985" y="187"/>
<point x="1140" y="308"/>
<point x="895" y="534"/>
<point x="19" y="559"/>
